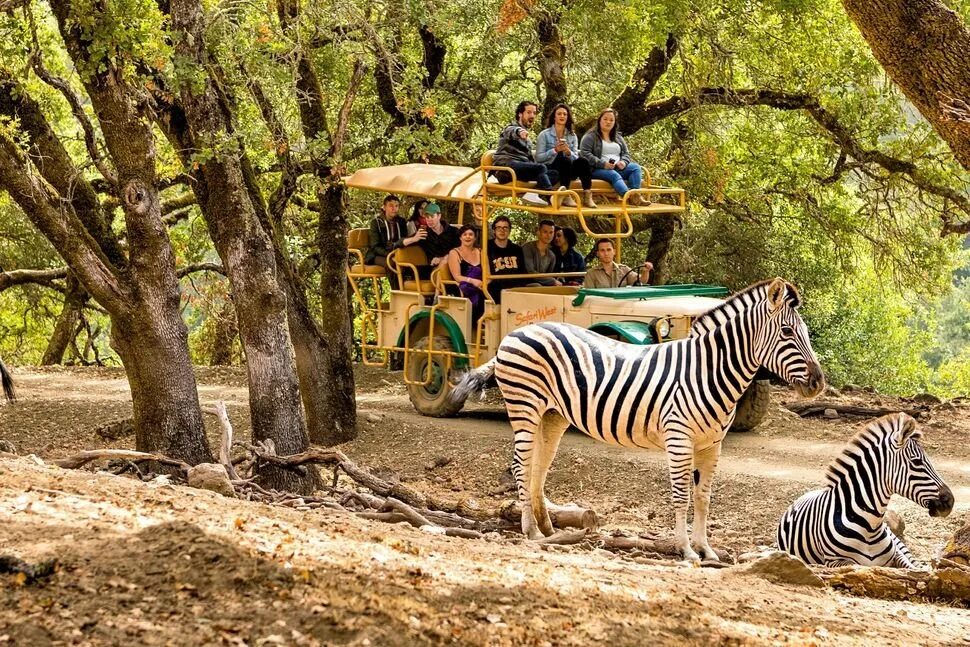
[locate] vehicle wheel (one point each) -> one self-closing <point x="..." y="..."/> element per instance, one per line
<point x="431" y="399"/>
<point x="753" y="406"/>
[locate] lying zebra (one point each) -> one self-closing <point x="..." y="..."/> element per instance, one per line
<point x="843" y="522"/>
<point x="7" y="382"/>
<point x="679" y="396"/>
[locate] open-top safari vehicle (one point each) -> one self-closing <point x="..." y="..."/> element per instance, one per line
<point x="426" y="330"/>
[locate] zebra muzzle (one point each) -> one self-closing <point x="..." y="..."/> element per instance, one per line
<point x="941" y="506"/>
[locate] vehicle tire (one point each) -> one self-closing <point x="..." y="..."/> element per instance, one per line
<point x="431" y="399"/>
<point x="753" y="406"/>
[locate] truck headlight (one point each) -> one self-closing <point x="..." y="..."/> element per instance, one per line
<point x="663" y="328"/>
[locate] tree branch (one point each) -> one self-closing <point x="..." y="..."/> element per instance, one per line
<point x="434" y="56"/>
<point x="200" y="267"/>
<point x="343" y="118"/>
<point x="39" y="277"/>
<point x="671" y="106"/>
<point x="73" y="99"/>
<point x="631" y="102"/>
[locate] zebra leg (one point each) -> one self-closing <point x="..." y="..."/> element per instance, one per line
<point x="705" y="464"/>
<point x="901" y="558"/>
<point x="525" y="426"/>
<point x="552" y="428"/>
<point x="679" y="460"/>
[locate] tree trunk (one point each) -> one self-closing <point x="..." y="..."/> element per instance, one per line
<point x="67" y="322"/>
<point x="226" y="332"/>
<point x="923" y="46"/>
<point x="661" y="234"/>
<point x="163" y="389"/>
<point x="249" y="257"/>
<point x="332" y="242"/>
<point x="552" y="53"/>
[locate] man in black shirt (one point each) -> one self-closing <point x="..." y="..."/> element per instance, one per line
<point x="504" y="257"/>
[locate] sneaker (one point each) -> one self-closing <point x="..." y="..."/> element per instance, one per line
<point x="534" y="199"/>
<point x="566" y="200"/>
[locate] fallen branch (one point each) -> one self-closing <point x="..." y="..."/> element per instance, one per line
<point x="219" y="411"/>
<point x="817" y="408"/>
<point x="85" y="457"/>
<point x="950" y="584"/>
<point x="29" y="572"/>
<point x="658" y="546"/>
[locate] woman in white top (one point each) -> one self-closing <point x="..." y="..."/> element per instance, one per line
<point x="606" y="151"/>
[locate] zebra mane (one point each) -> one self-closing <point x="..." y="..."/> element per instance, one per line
<point x="872" y="435"/>
<point x="740" y="301"/>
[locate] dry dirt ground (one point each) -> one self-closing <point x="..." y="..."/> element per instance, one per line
<point x="163" y="564"/>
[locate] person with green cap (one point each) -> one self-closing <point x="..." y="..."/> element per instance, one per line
<point x="440" y="237"/>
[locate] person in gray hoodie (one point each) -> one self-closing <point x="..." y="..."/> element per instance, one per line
<point x="515" y="150"/>
<point x="606" y="151"/>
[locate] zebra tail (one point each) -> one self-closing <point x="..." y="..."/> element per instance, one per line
<point x="7" y="380"/>
<point x="472" y="382"/>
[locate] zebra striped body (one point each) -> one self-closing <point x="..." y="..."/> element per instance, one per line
<point x="843" y="523"/>
<point x="679" y="396"/>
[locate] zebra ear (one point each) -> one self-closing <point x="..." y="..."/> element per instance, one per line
<point x="776" y="293"/>
<point x="906" y="430"/>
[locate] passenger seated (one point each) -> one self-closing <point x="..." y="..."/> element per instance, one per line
<point x="437" y="238"/>
<point x="416" y="222"/>
<point x="465" y="264"/>
<point x="539" y="257"/>
<point x="387" y="232"/>
<point x="515" y="150"/>
<point x="504" y="257"/>
<point x="567" y="258"/>
<point x="609" y="274"/>
<point x="607" y="153"/>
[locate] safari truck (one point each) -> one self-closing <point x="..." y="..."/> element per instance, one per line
<point x="426" y="330"/>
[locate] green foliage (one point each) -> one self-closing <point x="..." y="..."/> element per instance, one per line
<point x="769" y="195"/>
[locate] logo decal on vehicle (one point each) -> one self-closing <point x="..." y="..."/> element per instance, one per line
<point x="532" y="316"/>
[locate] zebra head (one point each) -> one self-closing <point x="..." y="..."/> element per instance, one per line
<point x="783" y="346"/>
<point x="911" y="473"/>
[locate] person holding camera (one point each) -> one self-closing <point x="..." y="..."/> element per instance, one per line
<point x="558" y="148"/>
<point x="610" y="274"/>
<point x="606" y="151"/>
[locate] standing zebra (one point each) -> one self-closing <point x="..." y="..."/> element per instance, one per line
<point x="7" y="382"/>
<point x="843" y="522"/>
<point x="679" y="396"/>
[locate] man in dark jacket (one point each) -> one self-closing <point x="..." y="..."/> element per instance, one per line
<point x="515" y="150"/>
<point x="387" y="232"/>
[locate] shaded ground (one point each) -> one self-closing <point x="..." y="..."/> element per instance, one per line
<point x="150" y="564"/>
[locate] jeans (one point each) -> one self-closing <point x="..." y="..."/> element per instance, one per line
<point x="531" y="171"/>
<point x="572" y="169"/>
<point x="629" y="178"/>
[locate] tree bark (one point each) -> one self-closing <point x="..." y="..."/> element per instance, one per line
<point x="75" y="299"/>
<point x="332" y="242"/>
<point x="923" y="46"/>
<point x="552" y="53"/>
<point x="248" y="254"/>
<point x="226" y="332"/>
<point x="324" y="362"/>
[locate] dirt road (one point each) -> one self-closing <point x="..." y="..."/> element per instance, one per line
<point x="169" y="565"/>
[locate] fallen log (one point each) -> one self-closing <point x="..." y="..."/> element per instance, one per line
<point x="85" y="457"/>
<point x="949" y="584"/>
<point x="817" y="408"/>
